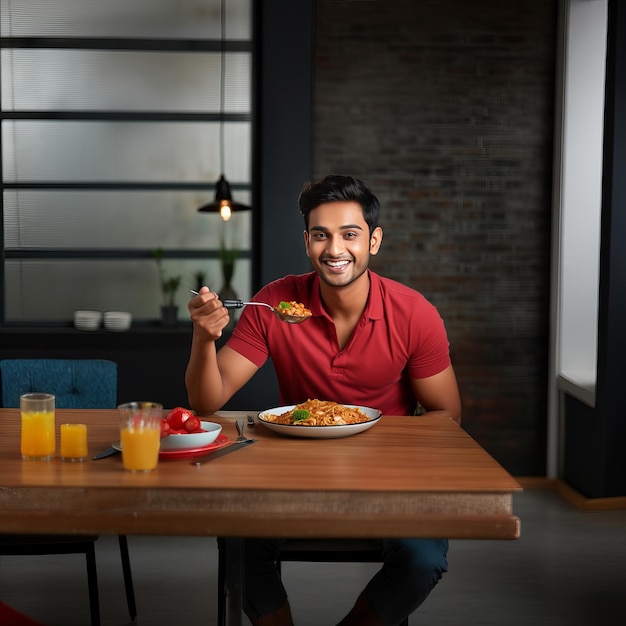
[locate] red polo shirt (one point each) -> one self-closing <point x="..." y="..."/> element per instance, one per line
<point x="400" y="336"/>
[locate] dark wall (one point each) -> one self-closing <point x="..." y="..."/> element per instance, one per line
<point x="446" y="108"/>
<point x="284" y="108"/>
<point x="612" y="307"/>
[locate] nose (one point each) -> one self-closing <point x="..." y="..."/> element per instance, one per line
<point x="335" y="245"/>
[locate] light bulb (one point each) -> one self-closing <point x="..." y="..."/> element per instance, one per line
<point x="225" y="210"/>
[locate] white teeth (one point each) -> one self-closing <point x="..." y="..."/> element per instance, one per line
<point x="337" y="263"/>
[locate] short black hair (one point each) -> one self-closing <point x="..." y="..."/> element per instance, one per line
<point x="335" y="188"/>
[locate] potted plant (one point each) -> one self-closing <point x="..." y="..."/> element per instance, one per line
<point x="228" y="258"/>
<point x="169" y="287"/>
<point x="199" y="279"/>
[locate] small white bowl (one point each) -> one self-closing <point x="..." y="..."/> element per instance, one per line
<point x="190" y="441"/>
<point x="117" y="320"/>
<point x="87" y="320"/>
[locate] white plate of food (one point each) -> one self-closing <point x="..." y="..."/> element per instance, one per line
<point x="325" y="419"/>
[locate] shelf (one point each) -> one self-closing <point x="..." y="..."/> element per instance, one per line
<point x="579" y="384"/>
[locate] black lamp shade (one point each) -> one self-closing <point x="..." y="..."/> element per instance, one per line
<point x="223" y="197"/>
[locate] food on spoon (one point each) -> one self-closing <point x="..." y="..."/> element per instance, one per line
<point x="297" y="309"/>
<point x="319" y="413"/>
<point x="180" y="421"/>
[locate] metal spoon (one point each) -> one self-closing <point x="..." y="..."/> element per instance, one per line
<point x="285" y="317"/>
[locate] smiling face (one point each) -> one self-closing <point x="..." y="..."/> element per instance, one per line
<point x="339" y="243"/>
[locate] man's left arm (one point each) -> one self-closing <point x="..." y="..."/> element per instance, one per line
<point x="439" y="394"/>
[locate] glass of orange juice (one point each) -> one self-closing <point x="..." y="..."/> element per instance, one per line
<point x="38" y="440"/>
<point x="73" y="442"/>
<point x="140" y="434"/>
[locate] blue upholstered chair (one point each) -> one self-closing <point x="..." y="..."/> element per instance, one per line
<point x="76" y="384"/>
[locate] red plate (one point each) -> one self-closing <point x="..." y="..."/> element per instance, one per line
<point x="189" y="453"/>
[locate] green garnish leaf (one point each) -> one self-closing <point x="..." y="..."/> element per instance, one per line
<point x="300" y="415"/>
<point x="284" y="305"/>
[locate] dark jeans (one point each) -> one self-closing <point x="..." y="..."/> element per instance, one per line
<point x="410" y="570"/>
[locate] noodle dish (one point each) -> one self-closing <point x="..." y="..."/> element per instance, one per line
<point x="319" y="419"/>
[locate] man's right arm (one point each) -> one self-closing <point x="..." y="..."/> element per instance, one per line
<point x="212" y="377"/>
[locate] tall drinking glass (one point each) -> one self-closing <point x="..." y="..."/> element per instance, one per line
<point x="140" y="435"/>
<point x="38" y="441"/>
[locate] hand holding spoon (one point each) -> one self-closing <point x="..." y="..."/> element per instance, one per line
<point x="284" y="317"/>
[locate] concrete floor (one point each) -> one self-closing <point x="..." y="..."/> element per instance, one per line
<point x="567" y="569"/>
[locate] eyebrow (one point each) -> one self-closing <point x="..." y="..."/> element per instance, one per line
<point x="345" y="227"/>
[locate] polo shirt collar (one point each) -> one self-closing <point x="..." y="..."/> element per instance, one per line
<point x="373" y="309"/>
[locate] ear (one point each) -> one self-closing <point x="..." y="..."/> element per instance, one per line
<point x="376" y="240"/>
<point x="306" y="243"/>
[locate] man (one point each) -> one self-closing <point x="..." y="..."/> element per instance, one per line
<point x="370" y="341"/>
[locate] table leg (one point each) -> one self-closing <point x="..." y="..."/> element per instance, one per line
<point x="233" y="561"/>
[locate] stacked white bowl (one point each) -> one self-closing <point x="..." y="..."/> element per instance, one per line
<point x="117" y="321"/>
<point x="87" y="320"/>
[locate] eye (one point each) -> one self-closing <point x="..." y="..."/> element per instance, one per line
<point x="350" y="235"/>
<point x="319" y="236"/>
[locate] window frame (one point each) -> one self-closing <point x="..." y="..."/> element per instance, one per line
<point x="126" y="44"/>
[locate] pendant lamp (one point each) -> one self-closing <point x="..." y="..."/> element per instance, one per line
<point x="223" y="203"/>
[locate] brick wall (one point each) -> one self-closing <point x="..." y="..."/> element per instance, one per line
<point x="445" y="107"/>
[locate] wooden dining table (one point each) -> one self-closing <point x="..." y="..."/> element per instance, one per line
<point x="403" y="477"/>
